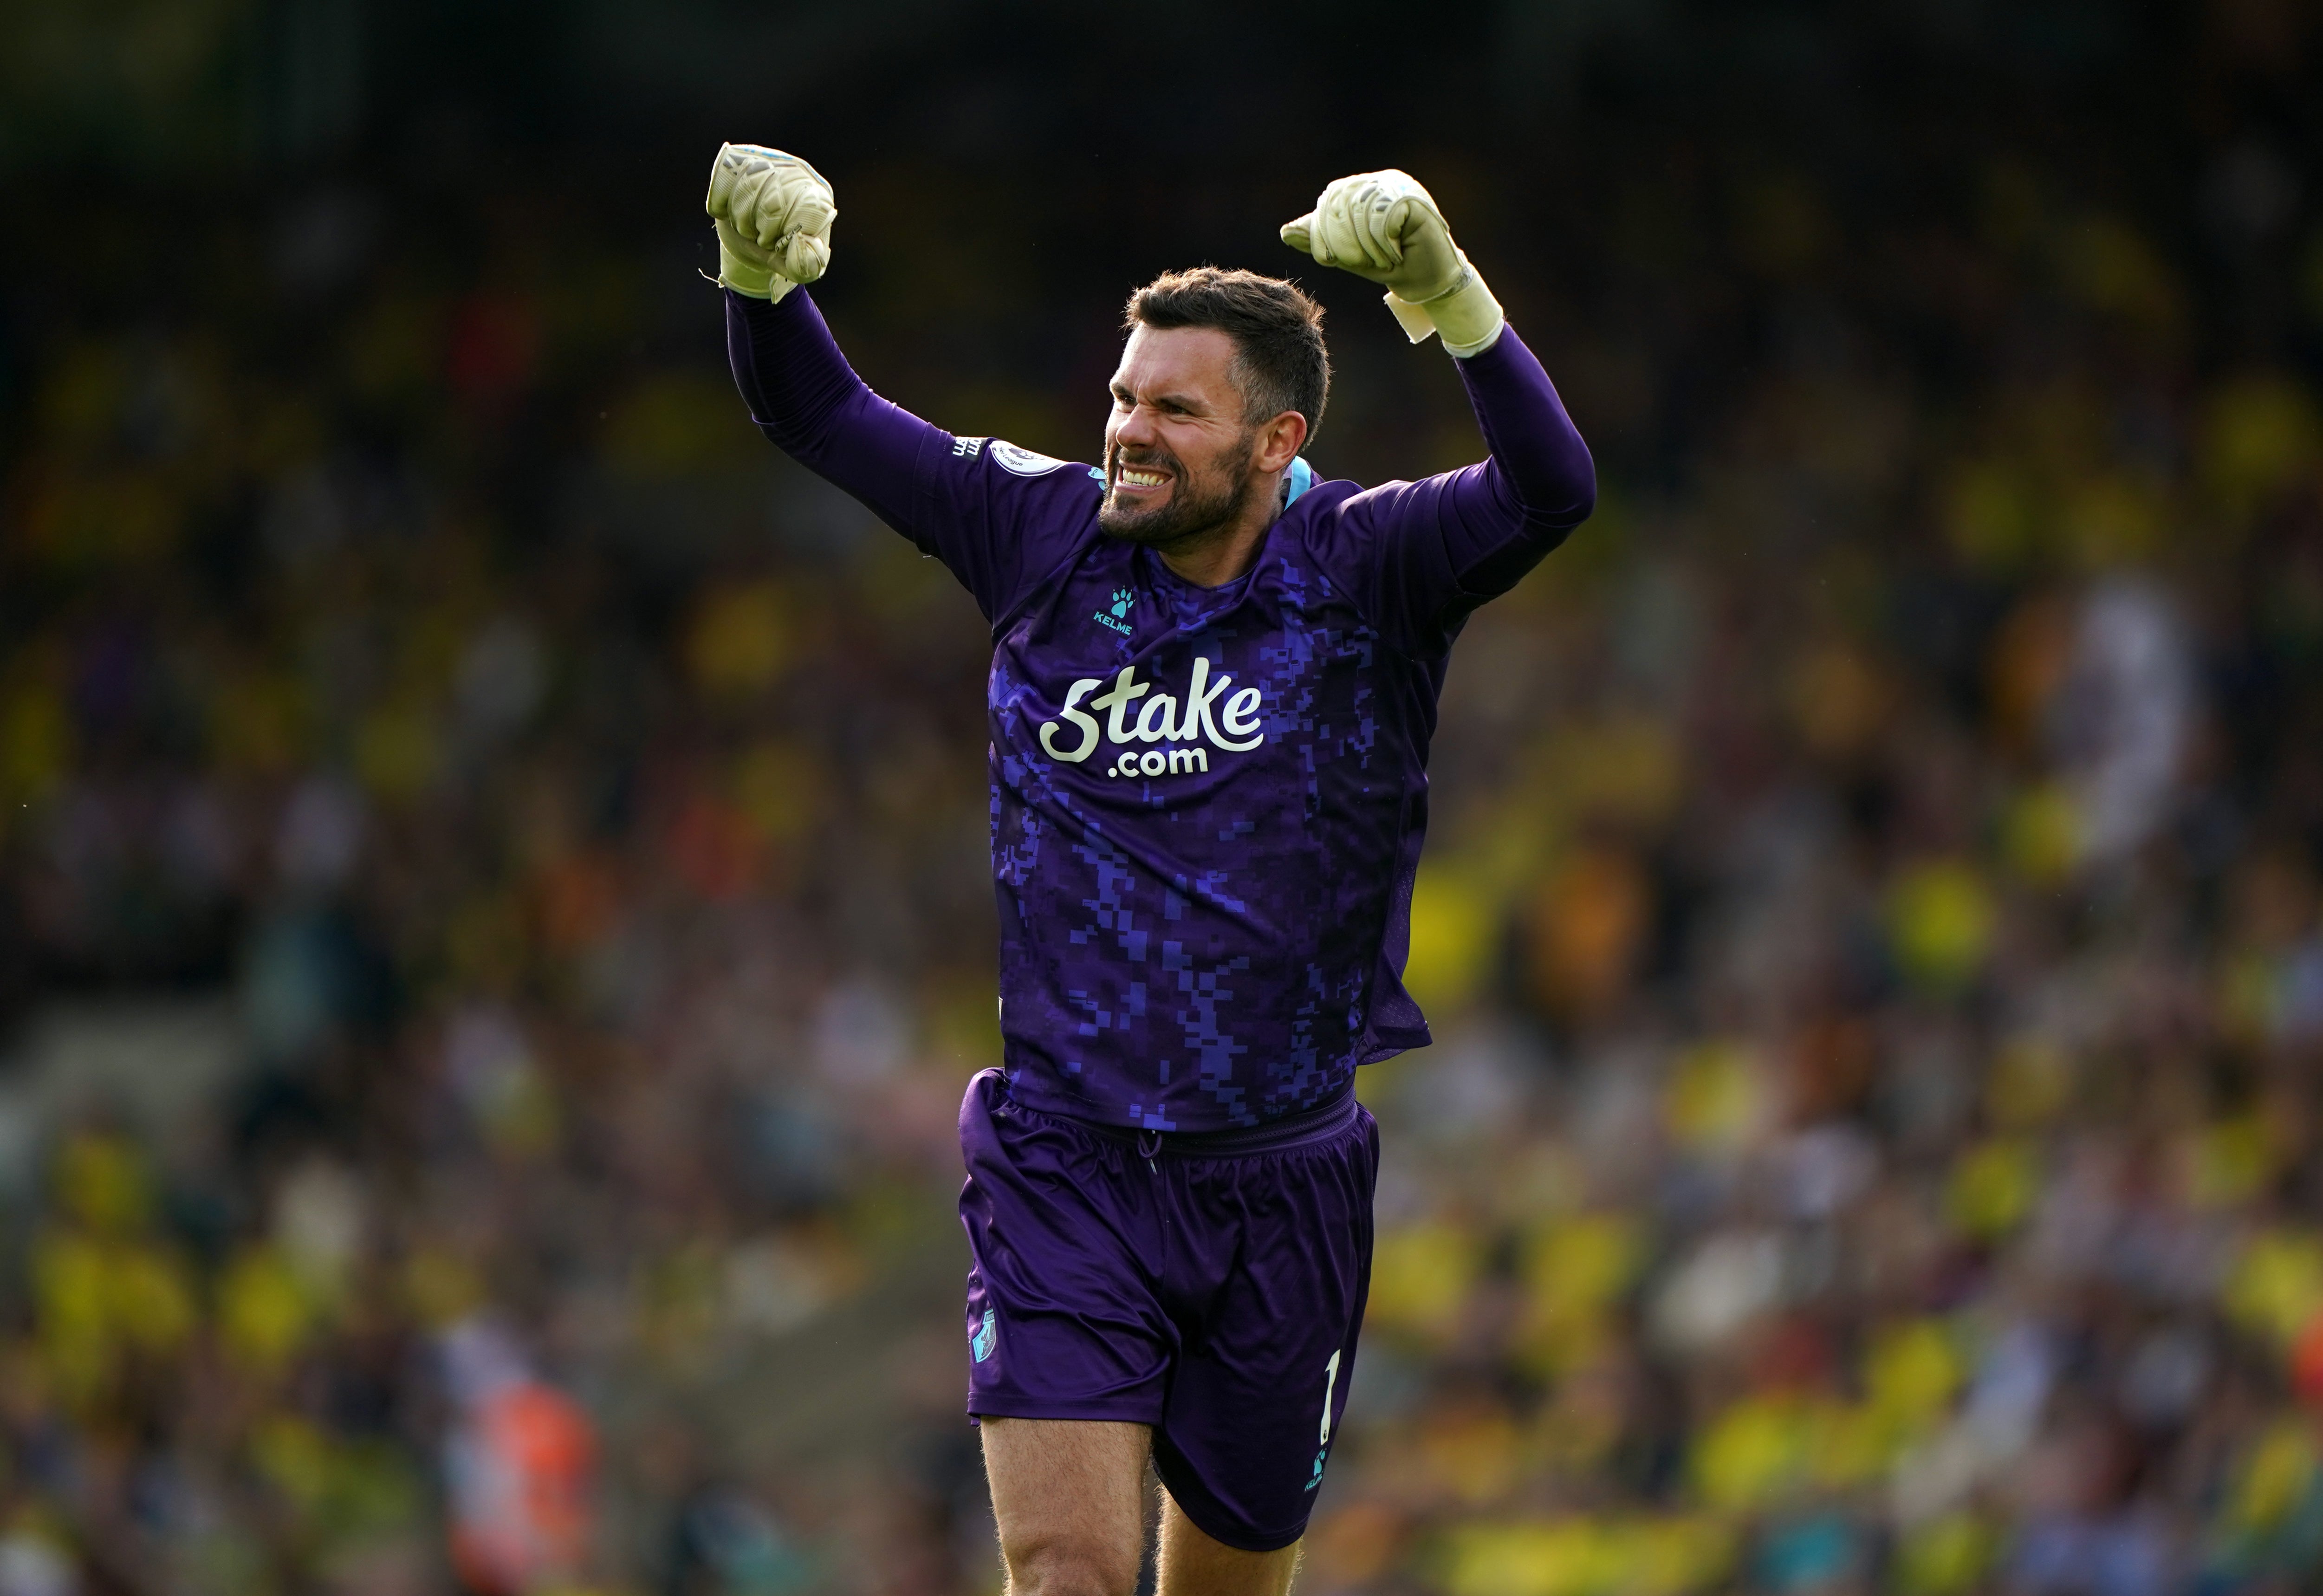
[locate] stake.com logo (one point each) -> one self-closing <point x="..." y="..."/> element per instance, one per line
<point x="1233" y="728"/>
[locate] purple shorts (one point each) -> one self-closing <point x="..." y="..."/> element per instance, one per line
<point x="1210" y="1287"/>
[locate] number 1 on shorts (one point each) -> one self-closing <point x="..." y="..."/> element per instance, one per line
<point x="1330" y="1384"/>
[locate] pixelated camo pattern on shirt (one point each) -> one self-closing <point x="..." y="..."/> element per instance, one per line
<point x="1206" y="803"/>
<point x="1195" y="905"/>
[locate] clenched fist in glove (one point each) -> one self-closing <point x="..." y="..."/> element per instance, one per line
<point x="774" y="214"/>
<point x="1384" y="226"/>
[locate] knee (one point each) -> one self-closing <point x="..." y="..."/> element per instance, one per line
<point x="1064" y="1566"/>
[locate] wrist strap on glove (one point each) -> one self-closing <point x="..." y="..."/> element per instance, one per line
<point x="1466" y="314"/>
<point x="772" y="291"/>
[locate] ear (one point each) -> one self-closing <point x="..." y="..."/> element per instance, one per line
<point x="1277" y="443"/>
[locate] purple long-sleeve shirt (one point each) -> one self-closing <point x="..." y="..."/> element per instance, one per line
<point x="1208" y="803"/>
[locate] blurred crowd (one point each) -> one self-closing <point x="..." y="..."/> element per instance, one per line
<point x="593" y="854"/>
<point x="1871" y="924"/>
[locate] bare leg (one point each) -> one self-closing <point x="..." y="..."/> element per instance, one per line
<point x="1193" y="1564"/>
<point x="1069" y="1495"/>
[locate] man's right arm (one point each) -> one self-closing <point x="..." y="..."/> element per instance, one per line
<point x="808" y="400"/>
<point x="991" y="515"/>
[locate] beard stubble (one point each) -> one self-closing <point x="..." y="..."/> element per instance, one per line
<point x="1192" y="509"/>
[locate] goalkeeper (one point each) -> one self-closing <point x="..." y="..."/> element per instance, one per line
<point x="1213" y="683"/>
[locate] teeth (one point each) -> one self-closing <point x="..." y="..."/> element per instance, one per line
<point x="1141" y="479"/>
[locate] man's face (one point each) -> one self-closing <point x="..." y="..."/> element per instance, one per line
<point x="1176" y="451"/>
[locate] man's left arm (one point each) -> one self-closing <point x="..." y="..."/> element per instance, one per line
<point x="1428" y="552"/>
<point x="1452" y="542"/>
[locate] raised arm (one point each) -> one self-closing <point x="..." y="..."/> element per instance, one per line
<point x="808" y="400"/>
<point x="1420" y="555"/>
<point x="1445" y="545"/>
<point x="774" y="214"/>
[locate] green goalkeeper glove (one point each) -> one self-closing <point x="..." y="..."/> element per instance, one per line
<point x="774" y="214"/>
<point x="1384" y="226"/>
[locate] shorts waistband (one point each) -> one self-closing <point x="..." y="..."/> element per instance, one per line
<point x="1309" y="1124"/>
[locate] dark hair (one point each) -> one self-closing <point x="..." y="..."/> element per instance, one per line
<point x="1279" y="361"/>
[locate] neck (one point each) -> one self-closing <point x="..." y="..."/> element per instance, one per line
<point x="1215" y="555"/>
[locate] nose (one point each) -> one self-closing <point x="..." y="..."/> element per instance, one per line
<point x="1136" y="428"/>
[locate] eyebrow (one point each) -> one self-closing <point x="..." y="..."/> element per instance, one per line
<point x="1179" y="401"/>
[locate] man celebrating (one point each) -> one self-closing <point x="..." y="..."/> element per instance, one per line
<point x="1214" y="679"/>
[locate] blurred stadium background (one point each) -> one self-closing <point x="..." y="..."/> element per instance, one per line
<point x="493" y="920"/>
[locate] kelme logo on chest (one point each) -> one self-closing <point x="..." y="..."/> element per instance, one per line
<point x="1114" y="617"/>
<point x="1227" y="721"/>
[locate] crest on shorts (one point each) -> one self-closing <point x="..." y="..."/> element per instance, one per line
<point x="980" y="1343"/>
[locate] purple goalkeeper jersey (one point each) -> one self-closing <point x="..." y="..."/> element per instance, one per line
<point x="1208" y="803"/>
